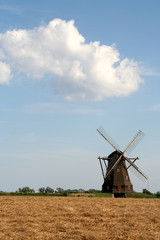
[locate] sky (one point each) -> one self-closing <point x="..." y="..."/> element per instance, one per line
<point x="66" y="68"/>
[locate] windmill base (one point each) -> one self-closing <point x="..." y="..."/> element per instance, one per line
<point x="119" y="195"/>
<point x="118" y="191"/>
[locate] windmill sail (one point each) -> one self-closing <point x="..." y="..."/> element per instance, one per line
<point x="136" y="170"/>
<point x="108" y="139"/>
<point x="114" y="166"/>
<point x="134" y="142"/>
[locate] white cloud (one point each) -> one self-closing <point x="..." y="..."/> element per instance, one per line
<point x="79" y="71"/>
<point x="153" y="108"/>
<point x="5" y="73"/>
<point x="12" y="9"/>
<point x="148" y="71"/>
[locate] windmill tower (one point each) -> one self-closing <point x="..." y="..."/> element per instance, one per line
<point x="115" y="173"/>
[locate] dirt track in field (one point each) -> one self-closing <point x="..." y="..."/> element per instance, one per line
<point x="82" y="218"/>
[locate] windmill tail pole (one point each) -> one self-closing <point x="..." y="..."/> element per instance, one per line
<point x="101" y="166"/>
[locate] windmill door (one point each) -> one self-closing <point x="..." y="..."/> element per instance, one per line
<point x="119" y="188"/>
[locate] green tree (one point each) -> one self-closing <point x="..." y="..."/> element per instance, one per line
<point x="49" y="190"/>
<point x="158" y="194"/>
<point x="41" y="190"/>
<point x="81" y="190"/>
<point x="59" y="190"/>
<point x="26" y="190"/>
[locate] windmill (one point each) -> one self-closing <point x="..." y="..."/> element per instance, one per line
<point x="115" y="173"/>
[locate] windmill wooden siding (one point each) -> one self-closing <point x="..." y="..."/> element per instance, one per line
<point x="118" y="181"/>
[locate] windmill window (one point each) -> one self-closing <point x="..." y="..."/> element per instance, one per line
<point x="126" y="177"/>
<point x="118" y="170"/>
<point x="128" y="187"/>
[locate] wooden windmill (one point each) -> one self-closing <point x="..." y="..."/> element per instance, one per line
<point x="115" y="173"/>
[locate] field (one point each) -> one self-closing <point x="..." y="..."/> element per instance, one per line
<point x="79" y="218"/>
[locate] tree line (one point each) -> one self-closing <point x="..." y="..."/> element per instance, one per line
<point x="59" y="190"/>
<point x="49" y="190"/>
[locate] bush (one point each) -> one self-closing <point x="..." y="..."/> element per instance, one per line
<point x="26" y="190"/>
<point x="146" y="191"/>
<point x="49" y="190"/>
<point x="65" y="194"/>
<point x="59" y="190"/>
<point x="41" y="190"/>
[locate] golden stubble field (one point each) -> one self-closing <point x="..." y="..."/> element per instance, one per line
<point x="79" y="218"/>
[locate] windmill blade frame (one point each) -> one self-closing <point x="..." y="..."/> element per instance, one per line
<point x="136" y="168"/>
<point x="134" y="142"/>
<point x="108" y="139"/>
<point x="115" y="164"/>
<point x="134" y="159"/>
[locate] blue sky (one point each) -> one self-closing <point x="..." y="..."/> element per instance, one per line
<point x="61" y="79"/>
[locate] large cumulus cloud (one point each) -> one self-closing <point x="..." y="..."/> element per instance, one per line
<point x="78" y="70"/>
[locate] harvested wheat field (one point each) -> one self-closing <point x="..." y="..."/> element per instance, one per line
<point x="79" y="218"/>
